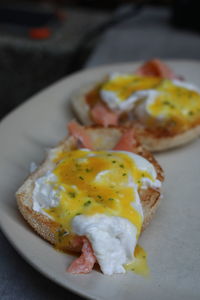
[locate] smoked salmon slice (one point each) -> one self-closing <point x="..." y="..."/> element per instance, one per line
<point x="79" y="132"/>
<point x="157" y="68"/>
<point x="127" y="142"/>
<point x="101" y="115"/>
<point x="83" y="264"/>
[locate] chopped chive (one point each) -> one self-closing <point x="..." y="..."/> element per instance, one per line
<point x="109" y="154"/>
<point x="78" y="214"/>
<point x="121" y="166"/>
<point x="124" y="174"/>
<point x="113" y="161"/>
<point x="169" y="104"/>
<point x="81" y="177"/>
<point x="166" y="102"/>
<point x="191" y="113"/>
<point x="87" y="170"/>
<point x="111" y="199"/>
<point x="99" y="196"/>
<point x="62" y="233"/>
<point x="87" y="203"/>
<point x="72" y="194"/>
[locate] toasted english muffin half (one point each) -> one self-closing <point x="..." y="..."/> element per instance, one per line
<point x="102" y="139"/>
<point x="153" y="139"/>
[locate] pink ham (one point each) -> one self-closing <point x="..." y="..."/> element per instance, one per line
<point x="102" y="115"/>
<point x="79" y="132"/>
<point x="84" y="263"/>
<point x="157" y="68"/>
<point x="127" y="141"/>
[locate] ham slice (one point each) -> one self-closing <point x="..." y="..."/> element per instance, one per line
<point x="127" y="142"/>
<point x="79" y="132"/>
<point x="157" y="68"/>
<point x="84" y="263"/>
<point x="102" y="115"/>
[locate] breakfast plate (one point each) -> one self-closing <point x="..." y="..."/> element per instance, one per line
<point x="171" y="241"/>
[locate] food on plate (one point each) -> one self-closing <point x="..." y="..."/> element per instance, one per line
<point x="162" y="107"/>
<point x="94" y="194"/>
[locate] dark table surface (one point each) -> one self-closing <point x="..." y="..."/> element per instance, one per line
<point x="29" y="65"/>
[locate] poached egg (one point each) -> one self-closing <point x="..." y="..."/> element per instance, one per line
<point x="153" y="98"/>
<point x="96" y="194"/>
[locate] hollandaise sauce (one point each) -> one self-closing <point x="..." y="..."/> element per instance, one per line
<point x="139" y="264"/>
<point x="177" y="103"/>
<point x="125" y="85"/>
<point x="166" y="102"/>
<point x="92" y="182"/>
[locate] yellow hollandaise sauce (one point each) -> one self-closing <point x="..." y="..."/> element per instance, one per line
<point x="90" y="182"/>
<point x="139" y="265"/>
<point x="177" y="103"/>
<point x="125" y="85"/>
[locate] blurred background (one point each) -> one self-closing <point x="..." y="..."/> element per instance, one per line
<point x="42" y="41"/>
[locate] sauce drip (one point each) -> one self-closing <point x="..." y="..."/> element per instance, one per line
<point x="139" y="265"/>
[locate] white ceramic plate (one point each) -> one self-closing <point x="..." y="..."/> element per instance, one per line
<point x="172" y="240"/>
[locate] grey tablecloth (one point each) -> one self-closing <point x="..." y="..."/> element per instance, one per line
<point x="28" y="65"/>
<point x="148" y="35"/>
<point x="18" y="280"/>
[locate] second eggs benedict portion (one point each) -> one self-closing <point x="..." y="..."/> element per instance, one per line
<point x="163" y="109"/>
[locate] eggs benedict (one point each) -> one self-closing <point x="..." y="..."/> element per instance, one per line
<point x="96" y="200"/>
<point x="163" y="109"/>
